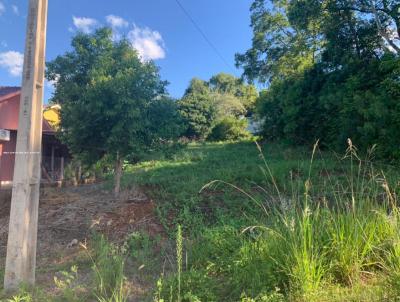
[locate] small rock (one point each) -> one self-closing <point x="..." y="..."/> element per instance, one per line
<point x="73" y="243"/>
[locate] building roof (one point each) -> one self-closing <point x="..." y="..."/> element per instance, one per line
<point x="7" y="91"/>
<point x="9" y="110"/>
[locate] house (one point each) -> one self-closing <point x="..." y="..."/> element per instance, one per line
<point x="54" y="154"/>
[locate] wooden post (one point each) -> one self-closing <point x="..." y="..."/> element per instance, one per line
<point x="22" y="235"/>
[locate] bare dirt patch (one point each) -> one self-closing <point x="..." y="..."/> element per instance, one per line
<point x="70" y="215"/>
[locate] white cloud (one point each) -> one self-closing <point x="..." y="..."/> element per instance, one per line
<point x="15" y="9"/>
<point x="148" y="43"/>
<point x="116" y="22"/>
<point x="52" y="83"/>
<point x="86" y="25"/>
<point x="2" y="8"/>
<point x="13" y="61"/>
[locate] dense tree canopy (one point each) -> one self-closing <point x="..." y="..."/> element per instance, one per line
<point x="332" y="69"/>
<point x="292" y="35"/>
<point x="205" y="104"/>
<point x="197" y="109"/>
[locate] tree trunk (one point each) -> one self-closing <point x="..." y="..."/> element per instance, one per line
<point x="382" y="30"/>
<point x="78" y="174"/>
<point x="118" y="174"/>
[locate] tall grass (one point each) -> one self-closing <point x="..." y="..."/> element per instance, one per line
<point x="338" y="241"/>
<point x="179" y="259"/>
<point x="343" y="234"/>
<point x="108" y="268"/>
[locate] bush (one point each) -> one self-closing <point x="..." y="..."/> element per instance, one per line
<point x="229" y="128"/>
<point x="359" y="101"/>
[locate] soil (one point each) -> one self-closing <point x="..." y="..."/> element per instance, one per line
<point x="69" y="215"/>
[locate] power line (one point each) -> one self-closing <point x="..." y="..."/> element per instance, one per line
<point x="198" y="28"/>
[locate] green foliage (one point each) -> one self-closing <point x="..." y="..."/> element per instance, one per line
<point x="180" y="178"/>
<point x="207" y="103"/>
<point x="22" y="297"/>
<point x="279" y="49"/>
<point x="196" y="286"/>
<point x="67" y="283"/>
<point x="267" y="297"/>
<point x="27" y="294"/>
<point x="291" y="36"/>
<point x="332" y="71"/>
<point x="108" y="269"/>
<point x="325" y="231"/>
<point x="229" y="128"/>
<point x="197" y="110"/>
<point x="138" y="244"/>
<point x="357" y="102"/>
<point x="230" y="86"/>
<point x="179" y="260"/>
<point x="111" y="100"/>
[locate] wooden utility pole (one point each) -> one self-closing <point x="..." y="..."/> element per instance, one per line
<point x="22" y="235"/>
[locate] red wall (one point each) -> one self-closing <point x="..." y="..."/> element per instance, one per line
<point x="9" y="110"/>
<point x="7" y="160"/>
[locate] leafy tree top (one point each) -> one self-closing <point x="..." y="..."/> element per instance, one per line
<point x="290" y="36"/>
<point x="110" y="98"/>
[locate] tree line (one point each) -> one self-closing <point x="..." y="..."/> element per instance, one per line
<point x="115" y="106"/>
<point x="332" y="68"/>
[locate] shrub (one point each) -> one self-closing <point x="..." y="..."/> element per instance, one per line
<point x="229" y="128"/>
<point x="359" y="101"/>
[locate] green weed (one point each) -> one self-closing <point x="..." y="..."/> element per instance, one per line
<point x="315" y="225"/>
<point x="108" y="268"/>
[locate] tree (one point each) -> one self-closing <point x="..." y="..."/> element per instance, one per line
<point x="279" y="48"/>
<point x="385" y="15"/>
<point x="110" y="101"/>
<point x="233" y="88"/>
<point x="206" y="103"/>
<point x="343" y="81"/>
<point x="229" y="128"/>
<point x="291" y="36"/>
<point x="197" y="110"/>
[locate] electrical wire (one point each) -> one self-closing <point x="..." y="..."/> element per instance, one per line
<point x="202" y="33"/>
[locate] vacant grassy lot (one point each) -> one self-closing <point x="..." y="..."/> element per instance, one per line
<point x="250" y="223"/>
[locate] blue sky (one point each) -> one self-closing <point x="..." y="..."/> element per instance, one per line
<point x="157" y="28"/>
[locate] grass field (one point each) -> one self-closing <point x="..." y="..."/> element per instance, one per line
<point x="250" y="223"/>
<point x="176" y="182"/>
<point x="279" y="224"/>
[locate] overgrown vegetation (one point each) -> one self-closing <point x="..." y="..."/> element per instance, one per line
<point x="291" y="225"/>
<point x="332" y="69"/>
<point x="248" y="222"/>
<point x="113" y="104"/>
<point x="333" y="239"/>
<point x="220" y="102"/>
<point x="320" y="229"/>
